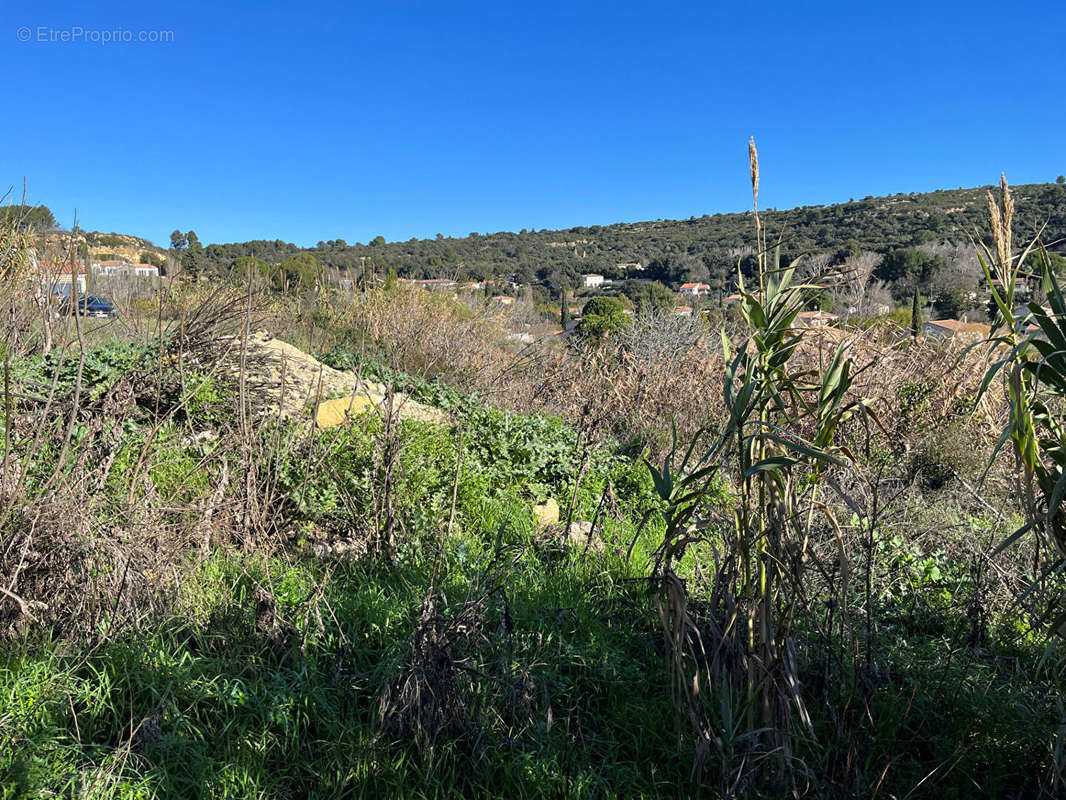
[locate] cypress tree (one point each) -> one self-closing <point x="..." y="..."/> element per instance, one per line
<point x="564" y="308"/>
<point x="916" y="315"/>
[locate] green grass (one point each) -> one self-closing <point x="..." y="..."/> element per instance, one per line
<point x="205" y="704"/>
<point x="225" y="711"/>
<point x="568" y="691"/>
<point x="239" y="717"/>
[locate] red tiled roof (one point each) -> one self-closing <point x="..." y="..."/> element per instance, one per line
<point x="52" y="268"/>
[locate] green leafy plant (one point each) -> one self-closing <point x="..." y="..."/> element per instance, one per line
<point x="1032" y="364"/>
<point x="764" y="544"/>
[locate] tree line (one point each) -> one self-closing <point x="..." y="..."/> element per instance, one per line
<point x="897" y="242"/>
<point x="904" y="229"/>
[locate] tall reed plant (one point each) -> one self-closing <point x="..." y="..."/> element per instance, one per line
<point x="734" y="672"/>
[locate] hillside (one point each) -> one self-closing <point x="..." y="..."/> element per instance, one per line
<point x="703" y="248"/>
<point x="671" y="248"/>
<point x="108" y="246"/>
<point x="97" y="246"/>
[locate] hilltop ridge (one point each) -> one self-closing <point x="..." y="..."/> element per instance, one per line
<point x="870" y="223"/>
<point x="671" y="249"/>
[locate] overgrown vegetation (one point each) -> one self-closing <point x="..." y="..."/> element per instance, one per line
<point x="661" y="560"/>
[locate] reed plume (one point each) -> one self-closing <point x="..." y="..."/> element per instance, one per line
<point x="1001" y="217"/>
<point x="753" y="160"/>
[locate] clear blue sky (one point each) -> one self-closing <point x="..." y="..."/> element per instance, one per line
<point x="325" y="120"/>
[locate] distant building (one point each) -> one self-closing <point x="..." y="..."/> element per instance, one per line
<point x="114" y="267"/>
<point x="695" y="289"/>
<point x="630" y="266"/>
<point x="62" y="283"/>
<point x="503" y="300"/>
<point x="429" y="283"/>
<point x="145" y="271"/>
<point x="1020" y="286"/>
<point x="683" y="311"/>
<point x="437" y="283"/>
<point x="57" y="278"/>
<point x="123" y="269"/>
<point x="591" y="281"/>
<point x="873" y="309"/>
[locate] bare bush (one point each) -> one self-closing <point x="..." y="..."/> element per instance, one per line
<point x="662" y="338"/>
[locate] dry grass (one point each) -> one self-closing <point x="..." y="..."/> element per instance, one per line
<point x="93" y="546"/>
<point x="95" y="540"/>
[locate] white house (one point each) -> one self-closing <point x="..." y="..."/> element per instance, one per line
<point x="62" y="283"/>
<point x="56" y="279"/>
<point x="108" y="267"/>
<point x="434" y="283"/>
<point x="695" y="289"/>
<point x="591" y="281"/>
<point x="124" y="269"/>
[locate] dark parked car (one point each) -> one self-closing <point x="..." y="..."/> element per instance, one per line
<point x="91" y="306"/>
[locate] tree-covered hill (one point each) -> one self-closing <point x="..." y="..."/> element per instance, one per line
<point x="673" y="250"/>
<point x="703" y="248"/>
